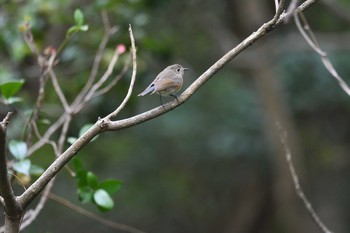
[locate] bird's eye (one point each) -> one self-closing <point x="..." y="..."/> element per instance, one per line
<point x="178" y="70"/>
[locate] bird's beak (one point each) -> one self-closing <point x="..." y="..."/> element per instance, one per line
<point x="185" y="69"/>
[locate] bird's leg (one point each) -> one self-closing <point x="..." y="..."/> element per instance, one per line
<point x="175" y="97"/>
<point x="161" y="102"/>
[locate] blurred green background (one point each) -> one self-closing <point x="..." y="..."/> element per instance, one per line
<point x="215" y="164"/>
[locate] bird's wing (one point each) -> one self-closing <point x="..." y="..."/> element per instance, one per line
<point x="148" y="90"/>
<point x="166" y="81"/>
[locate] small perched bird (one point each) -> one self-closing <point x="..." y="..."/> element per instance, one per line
<point x="167" y="83"/>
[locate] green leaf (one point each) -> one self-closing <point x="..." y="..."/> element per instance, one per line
<point x="71" y="140"/>
<point x="81" y="177"/>
<point x="9" y="89"/>
<point x="44" y="121"/>
<point x="92" y="180"/>
<point x="78" y="17"/>
<point x="80" y="173"/>
<point x="13" y="100"/>
<point x="85" y="194"/>
<point x="18" y="149"/>
<point x="85" y="128"/>
<point x="103" y="199"/>
<point x="22" y="166"/>
<point x="77" y="164"/>
<point x="84" y="28"/>
<point x="72" y="30"/>
<point x="110" y="186"/>
<point x="36" y="170"/>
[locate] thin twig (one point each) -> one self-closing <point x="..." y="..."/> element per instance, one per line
<point x="103" y="79"/>
<point x="114" y="82"/>
<point x="45" y="138"/>
<point x="312" y="41"/>
<point x="97" y="60"/>
<point x="63" y="136"/>
<point x="28" y="38"/>
<point x="309" y="40"/>
<point x="59" y="91"/>
<point x="52" y="143"/>
<point x="298" y="188"/>
<point x="31" y="215"/>
<point x="290" y="10"/>
<point x="39" y="101"/>
<point x="93" y="216"/>
<point x="133" y="77"/>
<point x="7" y="119"/>
<point x="302" y="7"/>
<point x="46" y="65"/>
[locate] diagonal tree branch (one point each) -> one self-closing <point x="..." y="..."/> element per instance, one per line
<point x="298" y="188"/>
<point x="312" y="41"/>
<point x="133" y="77"/>
<point x="93" y="216"/>
<point x="106" y="124"/>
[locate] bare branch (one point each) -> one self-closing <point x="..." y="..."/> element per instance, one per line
<point x="31" y="215"/>
<point x="290" y="10"/>
<point x="59" y="91"/>
<point x="12" y="209"/>
<point x="297" y="10"/>
<point x="309" y="40"/>
<point x="298" y="188"/>
<point x="28" y="38"/>
<point x="113" y="82"/>
<point x="133" y="77"/>
<point x="45" y="138"/>
<point x="93" y="216"/>
<point x="33" y="190"/>
<point x="276" y="5"/>
<point x="5" y="186"/>
<point x="97" y="60"/>
<point x="312" y="41"/>
<point x="39" y="101"/>
<point x="103" y="79"/>
<point x="63" y="135"/>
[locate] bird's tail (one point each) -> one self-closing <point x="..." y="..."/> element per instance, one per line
<point x="148" y="90"/>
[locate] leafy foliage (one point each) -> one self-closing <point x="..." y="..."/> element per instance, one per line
<point x="79" y="23"/>
<point x="91" y="190"/>
<point x="85" y="128"/>
<point x="22" y="164"/>
<point x="9" y="89"/>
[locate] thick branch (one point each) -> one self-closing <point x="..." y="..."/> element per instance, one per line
<point x="5" y="186"/>
<point x="13" y="211"/>
<point x="26" y="198"/>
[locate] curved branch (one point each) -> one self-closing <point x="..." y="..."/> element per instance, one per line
<point x="295" y="178"/>
<point x="133" y="77"/>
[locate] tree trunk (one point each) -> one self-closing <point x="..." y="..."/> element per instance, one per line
<point x="12" y="224"/>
